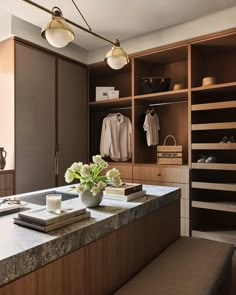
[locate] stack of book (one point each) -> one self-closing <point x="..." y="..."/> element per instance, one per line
<point x="42" y="220"/>
<point x="127" y="192"/>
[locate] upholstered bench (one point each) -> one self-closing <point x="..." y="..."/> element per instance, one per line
<point x="189" y="266"/>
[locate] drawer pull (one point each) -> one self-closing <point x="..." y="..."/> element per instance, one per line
<point x="158" y="174"/>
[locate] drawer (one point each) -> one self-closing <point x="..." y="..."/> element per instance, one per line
<point x="6" y="181"/>
<point x="125" y="170"/>
<point x="184" y="187"/>
<point x="163" y="174"/>
<point x="6" y="192"/>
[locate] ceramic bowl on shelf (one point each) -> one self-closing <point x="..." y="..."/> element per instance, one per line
<point x="207" y="81"/>
<point x="178" y="86"/>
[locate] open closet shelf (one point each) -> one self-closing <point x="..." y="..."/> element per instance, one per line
<point x="112" y="103"/>
<point x="220" y="206"/>
<point x="214" y="126"/>
<point x="161" y="165"/>
<point x="222" y="235"/>
<point x="214" y="166"/>
<point x="217" y="88"/>
<point x="213" y="146"/>
<point x="214" y="105"/>
<point x="168" y="96"/>
<point x="215" y="186"/>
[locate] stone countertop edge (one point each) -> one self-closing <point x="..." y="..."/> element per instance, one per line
<point x="75" y="236"/>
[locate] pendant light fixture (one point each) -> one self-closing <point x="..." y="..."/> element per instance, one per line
<point x="58" y="33"/>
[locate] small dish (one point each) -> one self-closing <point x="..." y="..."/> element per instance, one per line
<point x="10" y="204"/>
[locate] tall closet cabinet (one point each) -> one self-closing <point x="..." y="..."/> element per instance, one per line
<point x="50" y="116"/>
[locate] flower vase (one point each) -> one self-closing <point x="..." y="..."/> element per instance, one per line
<point x="89" y="200"/>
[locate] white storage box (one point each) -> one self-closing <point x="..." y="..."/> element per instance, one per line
<point x="113" y="94"/>
<point x="102" y="93"/>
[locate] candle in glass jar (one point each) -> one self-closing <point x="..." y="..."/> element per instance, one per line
<point x="53" y="202"/>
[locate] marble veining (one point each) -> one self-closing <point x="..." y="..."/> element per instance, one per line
<point x="24" y="250"/>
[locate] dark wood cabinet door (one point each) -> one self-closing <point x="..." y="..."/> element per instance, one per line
<point x="35" y="121"/>
<point x="72" y="129"/>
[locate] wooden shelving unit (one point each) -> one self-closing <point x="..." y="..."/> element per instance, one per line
<point x="216" y="234"/>
<point x="214" y="166"/>
<point x="220" y="206"/>
<point x="213" y="146"/>
<point x="214" y="126"/>
<point x="199" y="117"/>
<point x="214" y="186"/>
<point x="213" y="113"/>
<point x="214" y="105"/>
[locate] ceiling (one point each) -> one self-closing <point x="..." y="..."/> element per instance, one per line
<point x="111" y="19"/>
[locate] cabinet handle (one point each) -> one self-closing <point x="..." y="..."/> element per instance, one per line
<point x="158" y="174"/>
<point x="56" y="162"/>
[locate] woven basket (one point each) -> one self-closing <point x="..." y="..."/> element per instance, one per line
<point x="170" y="154"/>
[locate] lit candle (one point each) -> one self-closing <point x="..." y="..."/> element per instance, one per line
<point x="53" y="202"/>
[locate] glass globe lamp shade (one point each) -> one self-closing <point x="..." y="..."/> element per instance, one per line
<point x="116" y="58"/>
<point x="57" y="32"/>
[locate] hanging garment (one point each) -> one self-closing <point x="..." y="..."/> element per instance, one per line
<point x="116" y="137"/>
<point x="152" y="126"/>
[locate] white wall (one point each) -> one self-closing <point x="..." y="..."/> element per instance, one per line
<point x="218" y="21"/>
<point x="5" y="26"/>
<point x="29" y="32"/>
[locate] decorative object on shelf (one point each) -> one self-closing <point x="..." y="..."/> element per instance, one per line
<point x="113" y="94"/>
<point x="58" y="33"/>
<point x="102" y="93"/>
<point x="3" y="155"/>
<point x="178" y="86"/>
<point x="207" y="81"/>
<point x="155" y="84"/>
<point x="170" y="154"/>
<point x="92" y="184"/>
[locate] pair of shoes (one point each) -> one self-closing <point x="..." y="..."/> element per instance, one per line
<point x="206" y="159"/>
<point x="210" y="159"/>
<point x="225" y="139"/>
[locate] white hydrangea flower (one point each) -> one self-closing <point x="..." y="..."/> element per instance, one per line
<point x="80" y="188"/>
<point x="116" y="181"/>
<point x="95" y="190"/>
<point x="112" y="173"/>
<point x="97" y="159"/>
<point x="101" y="185"/>
<point x="76" y="166"/>
<point x="85" y="170"/>
<point x="69" y="177"/>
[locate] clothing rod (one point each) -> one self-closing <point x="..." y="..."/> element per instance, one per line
<point x="115" y="109"/>
<point x="162" y="103"/>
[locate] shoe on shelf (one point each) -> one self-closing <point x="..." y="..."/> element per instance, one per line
<point x="224" y="139"/>
<point x="210" y="159"/>
<point x="231" y="139"/>
<point x="202" y="159"/>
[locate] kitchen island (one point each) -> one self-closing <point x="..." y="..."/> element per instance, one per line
<point x="93" y="256"/>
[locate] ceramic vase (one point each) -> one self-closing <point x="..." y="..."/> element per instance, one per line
<point x="3" y="155"/>
<point x="89" y="200"/>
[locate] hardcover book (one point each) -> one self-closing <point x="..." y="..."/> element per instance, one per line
<point x="53" y="226"/>
<point x="127" y="198"/>
<point x="124" y="190"/>
<point x="43" y="217"/>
